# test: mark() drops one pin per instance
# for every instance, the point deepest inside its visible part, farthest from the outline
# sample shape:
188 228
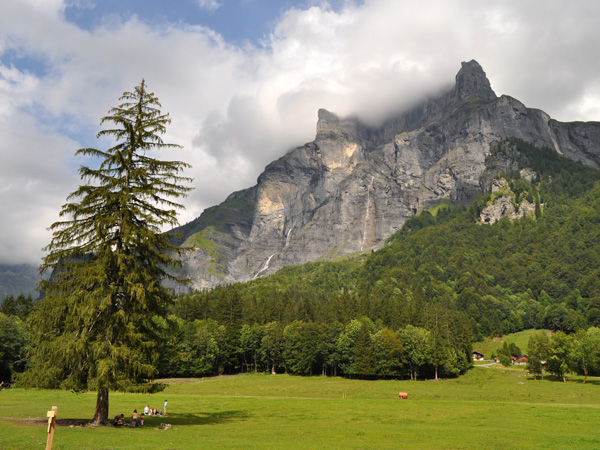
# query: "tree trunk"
436 374
101 413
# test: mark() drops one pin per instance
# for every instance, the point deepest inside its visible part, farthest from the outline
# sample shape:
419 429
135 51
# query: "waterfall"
264 267
364 236
288 236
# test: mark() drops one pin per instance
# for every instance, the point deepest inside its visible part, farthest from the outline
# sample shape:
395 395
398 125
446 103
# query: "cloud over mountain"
235 108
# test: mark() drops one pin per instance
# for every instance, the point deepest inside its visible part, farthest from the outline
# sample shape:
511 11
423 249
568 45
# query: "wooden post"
51 424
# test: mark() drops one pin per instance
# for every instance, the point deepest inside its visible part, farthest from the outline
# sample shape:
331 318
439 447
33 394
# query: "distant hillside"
18 279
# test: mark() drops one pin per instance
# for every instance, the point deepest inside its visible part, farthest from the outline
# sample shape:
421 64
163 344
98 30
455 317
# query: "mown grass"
491 345
489 408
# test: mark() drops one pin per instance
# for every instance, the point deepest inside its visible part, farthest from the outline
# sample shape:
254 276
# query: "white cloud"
36 179
15 90
210 5
235 109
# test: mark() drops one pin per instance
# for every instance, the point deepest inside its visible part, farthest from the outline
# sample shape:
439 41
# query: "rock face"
354 185
504 205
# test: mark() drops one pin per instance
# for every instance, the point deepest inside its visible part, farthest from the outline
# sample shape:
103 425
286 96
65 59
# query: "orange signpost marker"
51 424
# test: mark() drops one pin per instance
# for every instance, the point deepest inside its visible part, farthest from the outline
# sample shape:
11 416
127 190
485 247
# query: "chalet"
477 356
520 360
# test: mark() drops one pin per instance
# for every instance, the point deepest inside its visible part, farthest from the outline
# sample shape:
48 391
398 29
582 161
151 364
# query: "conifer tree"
104 312
364 355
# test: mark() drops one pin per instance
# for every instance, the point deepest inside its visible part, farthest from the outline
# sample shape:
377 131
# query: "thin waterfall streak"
287 238
265 267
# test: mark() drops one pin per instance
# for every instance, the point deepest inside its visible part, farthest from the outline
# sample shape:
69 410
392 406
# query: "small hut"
477 356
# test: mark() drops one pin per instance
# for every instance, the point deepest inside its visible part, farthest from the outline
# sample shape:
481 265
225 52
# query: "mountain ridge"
355 185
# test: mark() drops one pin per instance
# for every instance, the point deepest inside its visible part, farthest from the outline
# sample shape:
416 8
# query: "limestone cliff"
355 185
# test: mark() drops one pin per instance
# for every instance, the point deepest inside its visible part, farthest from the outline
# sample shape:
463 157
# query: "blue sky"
243 80
237 21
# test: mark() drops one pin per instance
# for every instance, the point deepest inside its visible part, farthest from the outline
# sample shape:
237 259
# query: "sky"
243 80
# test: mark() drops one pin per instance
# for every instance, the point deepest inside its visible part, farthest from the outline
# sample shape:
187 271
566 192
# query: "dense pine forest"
411 309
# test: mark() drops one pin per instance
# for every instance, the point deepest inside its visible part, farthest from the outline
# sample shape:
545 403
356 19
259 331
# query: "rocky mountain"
354 185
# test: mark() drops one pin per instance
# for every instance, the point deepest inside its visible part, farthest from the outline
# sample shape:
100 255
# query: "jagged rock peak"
326 124
471 82
330 125
325 120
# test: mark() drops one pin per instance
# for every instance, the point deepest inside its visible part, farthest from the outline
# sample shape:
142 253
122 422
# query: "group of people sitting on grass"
152 411
139 421
135 420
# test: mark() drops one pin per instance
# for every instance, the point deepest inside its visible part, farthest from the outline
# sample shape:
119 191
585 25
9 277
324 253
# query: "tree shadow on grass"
591 381
553 378
200 418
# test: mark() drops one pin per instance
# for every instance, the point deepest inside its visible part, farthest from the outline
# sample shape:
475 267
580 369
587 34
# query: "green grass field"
488 408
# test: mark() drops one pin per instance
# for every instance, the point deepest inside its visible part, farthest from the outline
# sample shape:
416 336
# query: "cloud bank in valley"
237 107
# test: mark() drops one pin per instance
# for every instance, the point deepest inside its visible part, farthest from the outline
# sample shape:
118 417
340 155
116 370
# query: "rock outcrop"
503 205
355 185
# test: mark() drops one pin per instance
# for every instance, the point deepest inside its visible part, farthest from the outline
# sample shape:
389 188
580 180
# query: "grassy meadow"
491 345
488 408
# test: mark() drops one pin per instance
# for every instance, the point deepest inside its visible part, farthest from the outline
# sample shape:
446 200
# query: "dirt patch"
72 422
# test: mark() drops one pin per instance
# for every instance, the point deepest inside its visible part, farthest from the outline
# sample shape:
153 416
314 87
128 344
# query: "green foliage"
538 353
560 351
14 343
417 342
361 349
514 350
20 306
364 357
15 338
390 355
585 352
103 313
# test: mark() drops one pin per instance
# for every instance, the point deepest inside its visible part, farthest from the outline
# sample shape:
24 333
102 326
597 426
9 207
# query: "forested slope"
445 274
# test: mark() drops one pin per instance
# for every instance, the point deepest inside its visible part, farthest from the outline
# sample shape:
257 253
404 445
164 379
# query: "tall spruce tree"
104 312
